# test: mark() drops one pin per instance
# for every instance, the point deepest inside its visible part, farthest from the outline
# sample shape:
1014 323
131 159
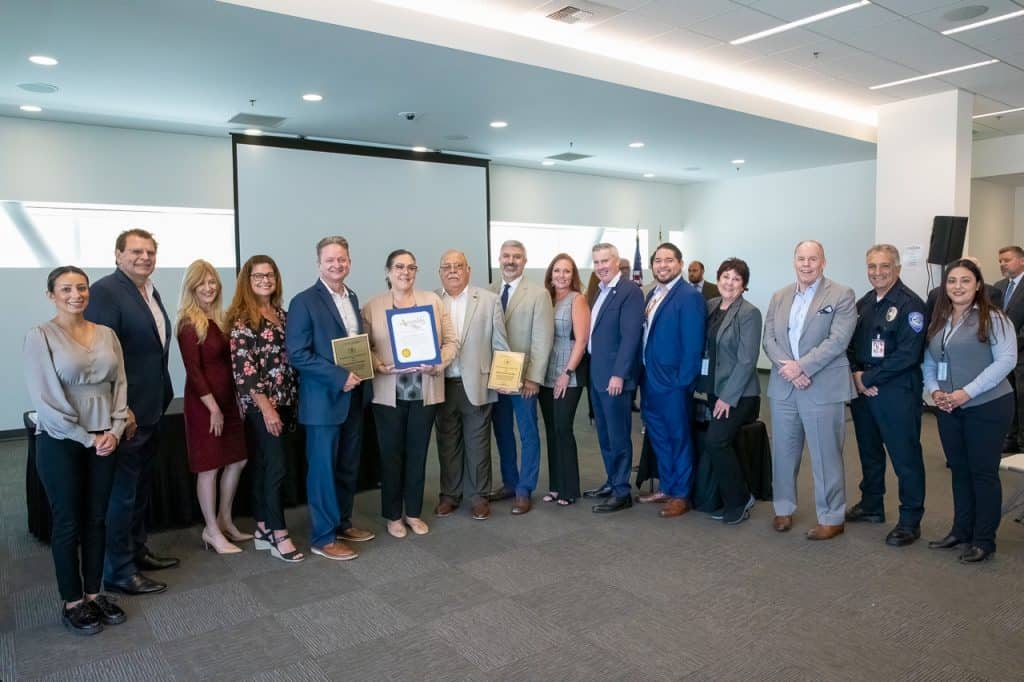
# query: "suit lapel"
812 310
474 299
730 315
664 302
782 319
609 297
144 308
517 297
328 301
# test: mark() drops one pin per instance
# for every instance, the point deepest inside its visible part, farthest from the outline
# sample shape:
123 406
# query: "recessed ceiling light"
800 22
43 60
41 88
499 124
692 169
312 97
547 162
933 75
420 149
253 131
636 145
648 175
1000 113
30 108
738 162
984 22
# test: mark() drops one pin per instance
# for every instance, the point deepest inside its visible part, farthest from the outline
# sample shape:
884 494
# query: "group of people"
97 374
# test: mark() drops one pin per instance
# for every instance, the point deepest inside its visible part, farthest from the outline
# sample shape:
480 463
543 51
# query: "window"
544 241
45 235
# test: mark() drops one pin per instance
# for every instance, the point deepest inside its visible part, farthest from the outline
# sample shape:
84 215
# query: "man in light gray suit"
806 333
530 323
464 419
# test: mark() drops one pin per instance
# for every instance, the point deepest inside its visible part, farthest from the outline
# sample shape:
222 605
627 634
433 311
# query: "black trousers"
129 503
563 457
77 482
267 462
720 449
1014 436
972 439
403 433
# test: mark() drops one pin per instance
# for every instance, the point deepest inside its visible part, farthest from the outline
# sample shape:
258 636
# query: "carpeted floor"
558 594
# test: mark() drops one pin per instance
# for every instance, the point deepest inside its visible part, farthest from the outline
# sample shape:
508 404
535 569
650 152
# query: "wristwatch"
569 372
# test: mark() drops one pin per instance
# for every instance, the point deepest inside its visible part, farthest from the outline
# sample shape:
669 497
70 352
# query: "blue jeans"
513 410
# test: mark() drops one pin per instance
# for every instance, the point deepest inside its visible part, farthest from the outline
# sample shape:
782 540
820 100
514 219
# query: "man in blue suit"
127 302
331 400
673 343
616 327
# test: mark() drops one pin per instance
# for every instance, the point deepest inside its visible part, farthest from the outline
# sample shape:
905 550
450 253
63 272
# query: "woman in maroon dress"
213 424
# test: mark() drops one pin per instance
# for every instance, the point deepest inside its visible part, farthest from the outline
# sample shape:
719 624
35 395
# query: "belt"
457 380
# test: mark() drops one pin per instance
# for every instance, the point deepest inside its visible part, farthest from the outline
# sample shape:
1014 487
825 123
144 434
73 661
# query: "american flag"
638 263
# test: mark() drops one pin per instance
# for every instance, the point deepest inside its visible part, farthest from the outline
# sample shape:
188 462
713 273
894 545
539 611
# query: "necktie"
1009 291
504 296
696 285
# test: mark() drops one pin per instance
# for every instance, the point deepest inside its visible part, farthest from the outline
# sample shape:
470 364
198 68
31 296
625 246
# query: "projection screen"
289 193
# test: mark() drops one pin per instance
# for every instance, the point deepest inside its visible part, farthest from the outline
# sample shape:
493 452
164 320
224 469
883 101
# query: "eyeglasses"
263 276
402 267
453 267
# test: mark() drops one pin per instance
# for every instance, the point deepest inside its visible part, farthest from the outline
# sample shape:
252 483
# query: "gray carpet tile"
457 543
296 671
581 603
314 580
574 661
342 622
522 569
416 654
435 595
35 606
498 633
203 609
668 646
146 663
7 662
236 652
391 559
7 619
49 649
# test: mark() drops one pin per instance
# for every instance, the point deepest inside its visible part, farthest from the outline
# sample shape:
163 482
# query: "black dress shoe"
1010 446
108 611
856 514
137 584
974 554
901 536
603 491
948 542
151 562
81 619
613 504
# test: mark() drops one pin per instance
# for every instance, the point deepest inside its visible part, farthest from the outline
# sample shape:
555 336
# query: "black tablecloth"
173 502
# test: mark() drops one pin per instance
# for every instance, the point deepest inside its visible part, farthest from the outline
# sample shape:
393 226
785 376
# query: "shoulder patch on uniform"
916 321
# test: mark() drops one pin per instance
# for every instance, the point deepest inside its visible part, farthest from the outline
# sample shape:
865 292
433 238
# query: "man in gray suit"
806 333
530 324
464 419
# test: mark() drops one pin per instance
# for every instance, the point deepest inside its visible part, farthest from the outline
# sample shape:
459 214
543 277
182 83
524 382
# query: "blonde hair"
189 310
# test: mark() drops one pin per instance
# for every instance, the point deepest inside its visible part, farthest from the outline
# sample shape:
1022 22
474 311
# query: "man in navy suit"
127 302
331 400
673 343
616 325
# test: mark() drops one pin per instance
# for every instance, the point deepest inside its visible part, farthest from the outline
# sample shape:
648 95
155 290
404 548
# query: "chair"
1011 503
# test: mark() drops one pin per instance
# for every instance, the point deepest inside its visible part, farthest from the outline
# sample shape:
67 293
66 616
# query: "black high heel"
292 557
262 539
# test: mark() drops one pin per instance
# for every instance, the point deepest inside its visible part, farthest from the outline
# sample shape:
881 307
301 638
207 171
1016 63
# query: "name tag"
704 367
878 348
942 374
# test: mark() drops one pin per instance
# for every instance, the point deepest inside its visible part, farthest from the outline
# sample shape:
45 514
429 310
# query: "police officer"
885 357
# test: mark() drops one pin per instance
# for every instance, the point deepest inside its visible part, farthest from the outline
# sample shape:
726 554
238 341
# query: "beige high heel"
220 548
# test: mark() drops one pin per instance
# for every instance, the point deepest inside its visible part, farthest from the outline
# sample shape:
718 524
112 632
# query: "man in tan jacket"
530 323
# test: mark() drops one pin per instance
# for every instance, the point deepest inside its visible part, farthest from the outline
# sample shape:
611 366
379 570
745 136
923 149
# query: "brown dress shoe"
674 506
354 534
653 497
520 505
823 532
782 523
336 551
481 510
445 507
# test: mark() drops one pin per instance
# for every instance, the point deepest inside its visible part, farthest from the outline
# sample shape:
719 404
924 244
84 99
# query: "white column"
924 170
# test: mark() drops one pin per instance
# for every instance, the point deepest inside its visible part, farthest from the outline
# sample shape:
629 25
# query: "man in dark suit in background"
615 330
127 302
331 400
1011 265
695 275
673 342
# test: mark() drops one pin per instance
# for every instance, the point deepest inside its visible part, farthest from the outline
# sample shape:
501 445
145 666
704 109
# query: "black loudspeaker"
948 234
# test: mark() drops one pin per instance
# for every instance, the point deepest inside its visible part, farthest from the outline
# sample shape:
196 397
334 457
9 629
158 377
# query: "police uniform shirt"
888 342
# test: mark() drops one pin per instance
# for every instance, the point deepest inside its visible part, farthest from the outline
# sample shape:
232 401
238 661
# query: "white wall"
991 224
998 156
1018 216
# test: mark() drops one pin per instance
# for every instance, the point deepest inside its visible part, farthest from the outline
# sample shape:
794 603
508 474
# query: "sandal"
550 497
292 557
565 501
262 539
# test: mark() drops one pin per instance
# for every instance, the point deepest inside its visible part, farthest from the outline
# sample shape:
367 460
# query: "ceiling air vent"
579 12
570 156
570 15
256 121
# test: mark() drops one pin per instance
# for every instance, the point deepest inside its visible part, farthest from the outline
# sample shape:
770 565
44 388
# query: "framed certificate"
506 371
413 336
353 353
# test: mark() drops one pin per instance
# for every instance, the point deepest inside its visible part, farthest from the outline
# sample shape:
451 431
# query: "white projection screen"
290 193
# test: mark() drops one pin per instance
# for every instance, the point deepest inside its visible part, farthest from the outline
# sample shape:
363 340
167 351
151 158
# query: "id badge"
942 374
704 366
878 348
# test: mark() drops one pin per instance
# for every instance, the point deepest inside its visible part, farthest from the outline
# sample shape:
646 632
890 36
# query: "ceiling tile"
819 51
1003 48
516 5
683 40
683 13
995 75
865 69
907 7
728 55
630 26
934 18
734 24
791 10
913 46
866 17
984 105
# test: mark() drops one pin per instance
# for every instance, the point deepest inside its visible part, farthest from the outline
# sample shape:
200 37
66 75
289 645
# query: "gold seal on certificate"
414 336
353 353
507 371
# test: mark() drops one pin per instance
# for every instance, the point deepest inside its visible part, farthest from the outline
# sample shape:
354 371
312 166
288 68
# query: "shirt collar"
812 289
667 287
513 284
461 296
612 284
343 292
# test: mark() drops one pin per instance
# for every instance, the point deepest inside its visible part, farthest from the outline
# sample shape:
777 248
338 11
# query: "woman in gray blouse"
971 348
74 370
